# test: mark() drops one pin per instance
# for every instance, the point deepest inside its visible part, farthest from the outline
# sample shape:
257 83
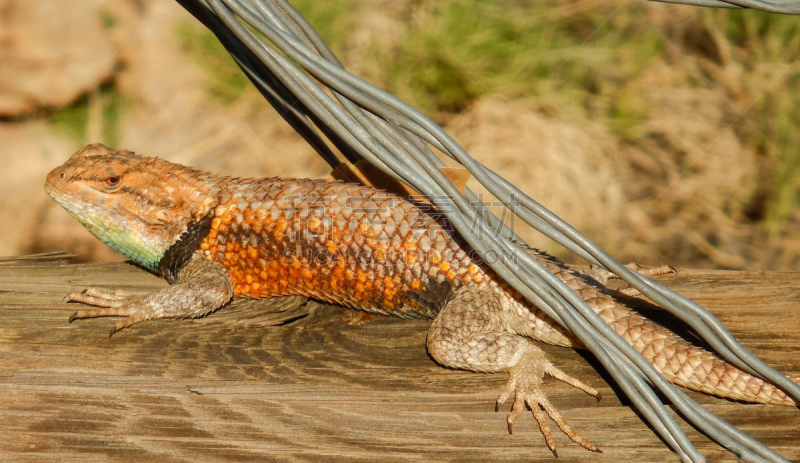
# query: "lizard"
214 238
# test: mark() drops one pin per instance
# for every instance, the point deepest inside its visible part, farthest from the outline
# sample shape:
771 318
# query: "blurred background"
666 133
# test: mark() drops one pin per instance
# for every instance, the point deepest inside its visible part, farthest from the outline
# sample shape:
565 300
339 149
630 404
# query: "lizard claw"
124 323
511 386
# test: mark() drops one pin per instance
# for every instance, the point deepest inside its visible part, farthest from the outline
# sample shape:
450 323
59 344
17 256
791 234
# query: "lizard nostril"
63 175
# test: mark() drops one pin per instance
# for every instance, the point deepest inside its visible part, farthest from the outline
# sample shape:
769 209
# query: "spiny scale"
338 242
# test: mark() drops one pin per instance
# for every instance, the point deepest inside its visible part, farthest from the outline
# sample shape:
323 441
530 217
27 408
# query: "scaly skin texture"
216 237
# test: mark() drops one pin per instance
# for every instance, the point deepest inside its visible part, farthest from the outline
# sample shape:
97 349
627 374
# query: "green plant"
226 82
95 117
453 53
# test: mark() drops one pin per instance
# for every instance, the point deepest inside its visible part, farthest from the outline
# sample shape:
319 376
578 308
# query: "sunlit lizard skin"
215 237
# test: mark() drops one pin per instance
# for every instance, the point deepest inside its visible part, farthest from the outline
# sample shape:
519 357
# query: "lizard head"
138 205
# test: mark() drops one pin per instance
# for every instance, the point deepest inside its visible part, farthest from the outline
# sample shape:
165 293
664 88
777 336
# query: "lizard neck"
178 254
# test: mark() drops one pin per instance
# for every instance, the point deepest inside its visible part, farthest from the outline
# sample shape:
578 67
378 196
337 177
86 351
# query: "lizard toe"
97 297
124 323
100 312
525 381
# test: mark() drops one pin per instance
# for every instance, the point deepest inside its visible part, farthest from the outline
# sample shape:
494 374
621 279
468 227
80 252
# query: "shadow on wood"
291 379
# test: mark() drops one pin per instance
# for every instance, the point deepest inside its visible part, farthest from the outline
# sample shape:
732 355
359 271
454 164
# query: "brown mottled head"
138 205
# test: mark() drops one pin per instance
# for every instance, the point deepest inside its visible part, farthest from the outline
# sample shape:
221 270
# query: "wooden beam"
234 386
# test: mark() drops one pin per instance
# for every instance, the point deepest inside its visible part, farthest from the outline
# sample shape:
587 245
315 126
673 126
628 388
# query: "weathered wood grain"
235 387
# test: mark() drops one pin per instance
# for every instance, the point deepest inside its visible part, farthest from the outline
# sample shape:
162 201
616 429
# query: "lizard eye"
107 175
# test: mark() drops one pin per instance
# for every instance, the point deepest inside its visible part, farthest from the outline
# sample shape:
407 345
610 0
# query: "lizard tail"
681 362
687 365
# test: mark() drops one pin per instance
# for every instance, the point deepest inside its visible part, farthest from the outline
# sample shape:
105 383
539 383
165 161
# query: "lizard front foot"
98 297
525 382
202 287
107 304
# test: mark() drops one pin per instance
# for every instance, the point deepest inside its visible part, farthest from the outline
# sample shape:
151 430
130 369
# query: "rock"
53 51
570 169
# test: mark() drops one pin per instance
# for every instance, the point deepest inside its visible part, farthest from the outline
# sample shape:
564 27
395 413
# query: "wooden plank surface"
235 387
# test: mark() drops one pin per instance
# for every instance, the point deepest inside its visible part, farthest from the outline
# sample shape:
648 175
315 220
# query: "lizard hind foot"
525 382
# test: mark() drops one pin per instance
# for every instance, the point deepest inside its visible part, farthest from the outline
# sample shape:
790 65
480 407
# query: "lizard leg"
471 333
602 275
202 287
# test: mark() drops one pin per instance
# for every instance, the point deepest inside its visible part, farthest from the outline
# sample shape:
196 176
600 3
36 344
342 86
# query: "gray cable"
777 6
424 186
723 343
370 123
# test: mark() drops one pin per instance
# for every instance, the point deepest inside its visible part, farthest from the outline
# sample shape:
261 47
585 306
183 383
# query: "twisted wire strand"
362 121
